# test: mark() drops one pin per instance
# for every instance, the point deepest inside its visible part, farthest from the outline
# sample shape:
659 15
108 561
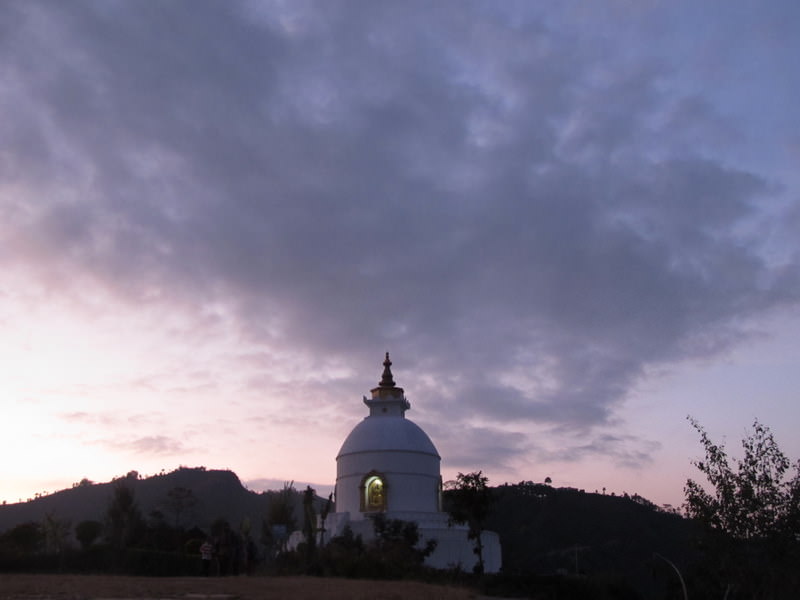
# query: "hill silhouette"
219 494
563 530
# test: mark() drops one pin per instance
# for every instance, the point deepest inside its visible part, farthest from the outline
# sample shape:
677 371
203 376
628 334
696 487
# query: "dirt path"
97 587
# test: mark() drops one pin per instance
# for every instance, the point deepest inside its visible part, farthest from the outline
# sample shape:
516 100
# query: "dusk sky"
572 224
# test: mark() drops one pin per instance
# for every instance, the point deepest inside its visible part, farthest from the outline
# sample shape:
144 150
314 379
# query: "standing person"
206 555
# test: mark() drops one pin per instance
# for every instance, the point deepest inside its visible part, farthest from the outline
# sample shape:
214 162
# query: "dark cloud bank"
522 215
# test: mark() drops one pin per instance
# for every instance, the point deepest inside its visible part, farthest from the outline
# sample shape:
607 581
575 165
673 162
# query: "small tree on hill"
469 501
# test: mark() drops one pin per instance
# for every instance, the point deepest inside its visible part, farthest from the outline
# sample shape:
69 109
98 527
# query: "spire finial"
387 400
386 379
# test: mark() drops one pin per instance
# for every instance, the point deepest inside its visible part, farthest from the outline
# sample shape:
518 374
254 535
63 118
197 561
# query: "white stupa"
389 465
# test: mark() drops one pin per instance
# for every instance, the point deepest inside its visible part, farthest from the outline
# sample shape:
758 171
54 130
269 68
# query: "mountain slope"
218 494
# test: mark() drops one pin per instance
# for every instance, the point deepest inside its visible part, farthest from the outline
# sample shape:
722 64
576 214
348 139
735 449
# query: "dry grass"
90 587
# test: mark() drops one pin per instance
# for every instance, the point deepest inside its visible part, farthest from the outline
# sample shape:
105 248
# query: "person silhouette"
206 556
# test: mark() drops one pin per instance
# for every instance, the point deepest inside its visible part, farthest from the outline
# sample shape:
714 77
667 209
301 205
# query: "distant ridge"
219 493
545 529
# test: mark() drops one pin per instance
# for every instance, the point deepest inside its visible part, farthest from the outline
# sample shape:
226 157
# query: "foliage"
227 545
752 529
56 532
395 551
344 554
281 507
397 541
124 523
323 517
469 502
86 532
180 502
280 520
752 501
309 526
25 538
159 535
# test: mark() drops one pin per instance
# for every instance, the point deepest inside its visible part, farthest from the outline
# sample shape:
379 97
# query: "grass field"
92 587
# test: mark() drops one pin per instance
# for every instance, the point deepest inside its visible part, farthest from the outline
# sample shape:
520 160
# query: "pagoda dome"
387 434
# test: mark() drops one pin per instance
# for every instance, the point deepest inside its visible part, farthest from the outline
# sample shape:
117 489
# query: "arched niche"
373 494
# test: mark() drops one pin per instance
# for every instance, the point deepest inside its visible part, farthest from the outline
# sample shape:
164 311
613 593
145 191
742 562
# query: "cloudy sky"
572 224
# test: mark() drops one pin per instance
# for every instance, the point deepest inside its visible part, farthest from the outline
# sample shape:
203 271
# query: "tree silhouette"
752 501
469 500
397 545
25 538
323 517
180 502
309 526
280 520
226 543
86 532
124 520
55 533
751 516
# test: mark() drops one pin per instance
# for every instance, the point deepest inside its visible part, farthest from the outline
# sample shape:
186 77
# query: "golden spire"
387 399
386 380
